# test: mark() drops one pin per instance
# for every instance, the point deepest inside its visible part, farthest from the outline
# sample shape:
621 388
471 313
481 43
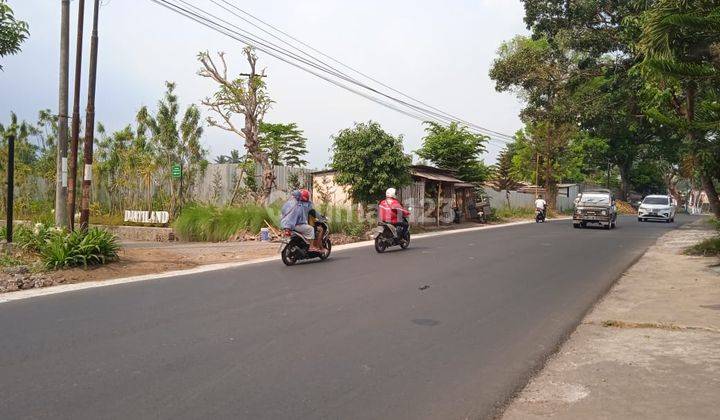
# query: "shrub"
34 239
76 248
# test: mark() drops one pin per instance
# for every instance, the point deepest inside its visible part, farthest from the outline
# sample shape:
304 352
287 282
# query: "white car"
657 207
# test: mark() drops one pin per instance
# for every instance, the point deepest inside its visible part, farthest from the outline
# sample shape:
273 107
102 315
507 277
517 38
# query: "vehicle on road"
539 215
595 207
657 207
385 235
295 247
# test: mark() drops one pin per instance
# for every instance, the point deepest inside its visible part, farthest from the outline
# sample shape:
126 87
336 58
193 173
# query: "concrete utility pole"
72 176
61 164
89 125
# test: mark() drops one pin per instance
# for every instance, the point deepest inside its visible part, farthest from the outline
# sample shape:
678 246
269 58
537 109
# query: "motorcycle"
295 247
385 235
539 215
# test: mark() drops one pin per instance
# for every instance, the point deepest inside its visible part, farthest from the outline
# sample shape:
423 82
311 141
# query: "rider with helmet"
389 210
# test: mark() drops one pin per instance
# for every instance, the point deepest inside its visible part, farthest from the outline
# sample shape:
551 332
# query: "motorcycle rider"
541 205
296 217
310 216
389 209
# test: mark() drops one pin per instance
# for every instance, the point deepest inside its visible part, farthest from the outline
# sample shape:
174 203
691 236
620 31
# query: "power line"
211 21
355 70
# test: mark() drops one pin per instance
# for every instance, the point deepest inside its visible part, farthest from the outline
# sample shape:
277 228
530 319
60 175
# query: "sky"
439 52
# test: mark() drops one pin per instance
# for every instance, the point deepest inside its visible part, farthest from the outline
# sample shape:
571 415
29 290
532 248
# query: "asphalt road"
354 337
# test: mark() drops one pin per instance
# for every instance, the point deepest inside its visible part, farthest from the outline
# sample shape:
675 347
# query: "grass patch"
708 248
505 213
213 224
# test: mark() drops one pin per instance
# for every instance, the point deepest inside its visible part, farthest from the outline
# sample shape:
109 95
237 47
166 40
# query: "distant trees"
503 173
455 147
284 144
233 157
369 160
13 32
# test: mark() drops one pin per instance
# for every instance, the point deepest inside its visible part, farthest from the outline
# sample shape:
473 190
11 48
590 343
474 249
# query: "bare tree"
245 95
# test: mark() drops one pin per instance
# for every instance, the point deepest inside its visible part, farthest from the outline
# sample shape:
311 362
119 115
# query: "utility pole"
10 189
89 125
72 176
61 163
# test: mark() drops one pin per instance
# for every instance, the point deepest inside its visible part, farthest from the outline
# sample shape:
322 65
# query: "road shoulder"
649 349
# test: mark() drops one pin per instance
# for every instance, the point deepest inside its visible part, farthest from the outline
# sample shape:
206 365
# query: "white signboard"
144 216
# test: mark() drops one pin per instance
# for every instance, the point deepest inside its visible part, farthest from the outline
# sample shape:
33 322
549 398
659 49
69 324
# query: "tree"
369 160
240 96
503 172
284 144
455 147
681 45
233 157
13 32
542 75
175 142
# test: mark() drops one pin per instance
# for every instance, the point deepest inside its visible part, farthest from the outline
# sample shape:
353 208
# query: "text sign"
144 216
176 171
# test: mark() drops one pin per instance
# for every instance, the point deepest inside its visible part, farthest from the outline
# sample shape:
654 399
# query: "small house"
429 187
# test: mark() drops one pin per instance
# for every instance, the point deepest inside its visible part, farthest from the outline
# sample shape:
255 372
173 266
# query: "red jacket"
389 209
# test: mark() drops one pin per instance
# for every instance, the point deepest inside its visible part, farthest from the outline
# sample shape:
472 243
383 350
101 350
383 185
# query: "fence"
524 200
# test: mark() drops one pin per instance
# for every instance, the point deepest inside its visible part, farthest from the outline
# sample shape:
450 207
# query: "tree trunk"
550 186
507 197
624 169
712 194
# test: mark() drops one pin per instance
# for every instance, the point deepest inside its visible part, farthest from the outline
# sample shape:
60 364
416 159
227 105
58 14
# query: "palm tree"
680 42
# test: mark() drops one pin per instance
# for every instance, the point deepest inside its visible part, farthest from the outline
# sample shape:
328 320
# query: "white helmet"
390 193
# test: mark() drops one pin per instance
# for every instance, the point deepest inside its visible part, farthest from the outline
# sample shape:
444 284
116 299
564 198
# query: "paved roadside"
649 349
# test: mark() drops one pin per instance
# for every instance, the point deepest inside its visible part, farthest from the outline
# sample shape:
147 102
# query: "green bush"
33 239
210 223
74 249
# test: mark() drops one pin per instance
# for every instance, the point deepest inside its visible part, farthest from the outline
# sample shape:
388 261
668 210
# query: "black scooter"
385 235
295 247
540 215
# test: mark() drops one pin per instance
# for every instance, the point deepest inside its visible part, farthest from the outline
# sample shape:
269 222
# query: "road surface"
447 329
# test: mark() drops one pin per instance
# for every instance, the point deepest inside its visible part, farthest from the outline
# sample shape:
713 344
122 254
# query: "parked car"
657 207
595 207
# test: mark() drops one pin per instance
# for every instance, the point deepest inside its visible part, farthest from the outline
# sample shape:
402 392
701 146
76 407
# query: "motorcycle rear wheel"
406 243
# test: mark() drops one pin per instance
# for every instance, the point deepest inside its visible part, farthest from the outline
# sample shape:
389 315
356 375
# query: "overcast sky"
439 52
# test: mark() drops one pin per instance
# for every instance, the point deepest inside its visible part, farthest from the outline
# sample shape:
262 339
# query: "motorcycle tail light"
288 232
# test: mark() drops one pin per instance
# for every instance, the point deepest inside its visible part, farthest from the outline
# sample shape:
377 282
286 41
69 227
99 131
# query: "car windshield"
590 199
656 200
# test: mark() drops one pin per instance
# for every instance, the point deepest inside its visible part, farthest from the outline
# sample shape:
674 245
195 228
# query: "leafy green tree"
369 160
13 32
542 75
175 142
455 147
284 144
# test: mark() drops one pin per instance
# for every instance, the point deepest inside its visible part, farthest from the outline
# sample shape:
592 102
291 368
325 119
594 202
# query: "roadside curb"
63 288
